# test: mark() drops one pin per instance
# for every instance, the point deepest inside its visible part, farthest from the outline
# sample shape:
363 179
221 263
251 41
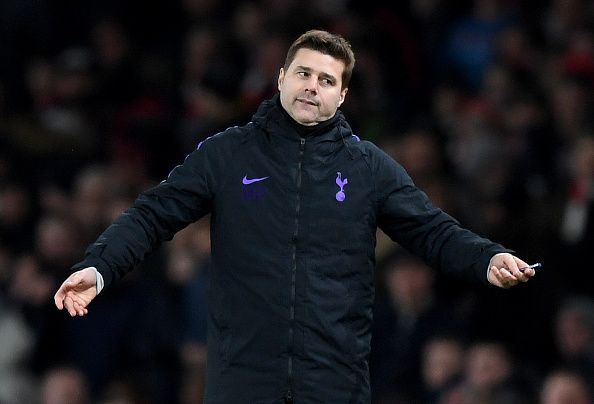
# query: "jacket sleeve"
408 217
156 215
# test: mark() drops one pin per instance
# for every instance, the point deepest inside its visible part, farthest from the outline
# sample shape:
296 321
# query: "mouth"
307 101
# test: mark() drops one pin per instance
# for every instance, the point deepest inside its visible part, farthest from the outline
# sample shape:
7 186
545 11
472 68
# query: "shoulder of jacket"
366 148
228 139
378 160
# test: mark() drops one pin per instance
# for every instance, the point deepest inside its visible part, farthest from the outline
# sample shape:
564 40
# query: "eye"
327 82
302 74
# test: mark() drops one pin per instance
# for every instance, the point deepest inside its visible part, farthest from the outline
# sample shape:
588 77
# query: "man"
295 200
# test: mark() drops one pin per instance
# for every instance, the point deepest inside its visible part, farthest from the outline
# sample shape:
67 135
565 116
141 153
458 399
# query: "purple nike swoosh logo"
247 181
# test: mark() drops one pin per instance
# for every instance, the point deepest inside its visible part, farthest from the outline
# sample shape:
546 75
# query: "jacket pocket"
339 305
225 337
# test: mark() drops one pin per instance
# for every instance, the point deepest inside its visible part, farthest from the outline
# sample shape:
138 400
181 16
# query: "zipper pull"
289 397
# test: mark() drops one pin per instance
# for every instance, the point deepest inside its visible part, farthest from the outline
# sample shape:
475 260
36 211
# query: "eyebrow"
322 74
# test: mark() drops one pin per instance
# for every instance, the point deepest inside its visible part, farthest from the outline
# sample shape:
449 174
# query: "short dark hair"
328 44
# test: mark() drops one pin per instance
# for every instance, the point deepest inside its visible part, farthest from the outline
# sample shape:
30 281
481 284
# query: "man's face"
311 88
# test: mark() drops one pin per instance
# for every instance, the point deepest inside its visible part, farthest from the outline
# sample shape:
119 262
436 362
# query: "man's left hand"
504 270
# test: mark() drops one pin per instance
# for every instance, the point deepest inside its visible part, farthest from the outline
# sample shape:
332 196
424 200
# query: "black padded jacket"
293 227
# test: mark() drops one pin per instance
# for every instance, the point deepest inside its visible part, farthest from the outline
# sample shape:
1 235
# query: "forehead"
318 62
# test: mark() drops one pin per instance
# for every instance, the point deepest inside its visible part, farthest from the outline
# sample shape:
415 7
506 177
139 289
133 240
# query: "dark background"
487 103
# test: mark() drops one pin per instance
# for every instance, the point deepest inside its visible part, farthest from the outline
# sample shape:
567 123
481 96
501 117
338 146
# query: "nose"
312 85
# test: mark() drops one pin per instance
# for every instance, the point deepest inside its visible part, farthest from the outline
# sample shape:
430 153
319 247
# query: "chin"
307 121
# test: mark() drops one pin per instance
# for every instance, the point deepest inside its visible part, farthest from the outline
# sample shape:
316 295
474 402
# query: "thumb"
59 296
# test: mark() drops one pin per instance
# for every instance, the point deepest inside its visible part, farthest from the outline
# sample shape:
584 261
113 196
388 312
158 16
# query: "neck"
305 130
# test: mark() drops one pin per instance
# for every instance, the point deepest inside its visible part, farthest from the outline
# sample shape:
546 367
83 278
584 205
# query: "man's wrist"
100 283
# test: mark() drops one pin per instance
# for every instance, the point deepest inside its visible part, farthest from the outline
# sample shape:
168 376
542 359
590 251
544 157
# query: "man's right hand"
77 291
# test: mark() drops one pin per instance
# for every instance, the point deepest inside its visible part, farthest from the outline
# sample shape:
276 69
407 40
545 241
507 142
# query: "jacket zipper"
289 394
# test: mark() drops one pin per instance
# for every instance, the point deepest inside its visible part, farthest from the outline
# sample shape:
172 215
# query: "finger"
77 300
530 272
80 310
69 304
511 265
74 304
521 263
59 298
505 278
525 275
494 277
506 275
60 295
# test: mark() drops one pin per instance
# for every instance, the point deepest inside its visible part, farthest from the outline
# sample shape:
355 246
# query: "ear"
342 97
281 78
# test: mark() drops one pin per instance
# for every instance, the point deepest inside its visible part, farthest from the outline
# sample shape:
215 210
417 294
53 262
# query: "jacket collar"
272 118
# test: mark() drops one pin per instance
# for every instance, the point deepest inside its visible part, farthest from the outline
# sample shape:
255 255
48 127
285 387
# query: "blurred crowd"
489 105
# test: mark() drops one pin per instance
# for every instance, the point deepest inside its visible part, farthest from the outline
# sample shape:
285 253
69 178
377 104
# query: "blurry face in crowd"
487 365
442 360
574 336
311 88
564 388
